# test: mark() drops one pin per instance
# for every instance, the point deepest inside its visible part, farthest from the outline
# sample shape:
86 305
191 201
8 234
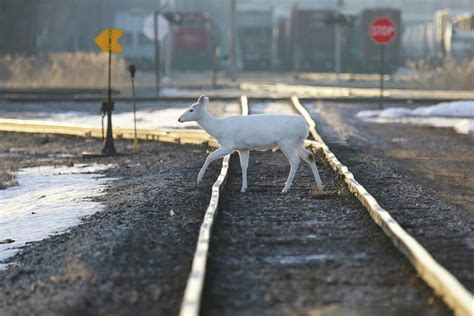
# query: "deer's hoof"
321 187
284 191
243 190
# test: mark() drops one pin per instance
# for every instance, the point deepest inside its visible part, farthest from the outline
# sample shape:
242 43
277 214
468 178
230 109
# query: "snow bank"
387 113
455 115
170 91
447 109
272 108
166 118
47 201
146 119
465 127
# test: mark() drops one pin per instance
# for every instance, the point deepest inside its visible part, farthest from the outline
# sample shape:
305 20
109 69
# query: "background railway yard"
101 208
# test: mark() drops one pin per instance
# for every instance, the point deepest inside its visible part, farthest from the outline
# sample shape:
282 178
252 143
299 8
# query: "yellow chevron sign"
107 40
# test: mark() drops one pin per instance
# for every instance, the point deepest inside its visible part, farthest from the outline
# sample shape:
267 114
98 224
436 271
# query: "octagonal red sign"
382 30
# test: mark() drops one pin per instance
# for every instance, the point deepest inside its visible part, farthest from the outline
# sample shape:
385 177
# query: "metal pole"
109 148
168 52
134 111
381 74
157 52
109 90
132 70
295 41
337 49
232 41
217 56
293 47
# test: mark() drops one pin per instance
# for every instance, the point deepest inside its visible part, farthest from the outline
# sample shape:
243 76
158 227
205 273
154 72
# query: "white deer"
254 132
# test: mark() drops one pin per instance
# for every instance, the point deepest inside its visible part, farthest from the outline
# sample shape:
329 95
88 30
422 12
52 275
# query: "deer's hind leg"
290 153
309 159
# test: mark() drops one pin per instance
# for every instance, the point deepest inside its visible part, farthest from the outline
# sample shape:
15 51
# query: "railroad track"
276 231
233 252
258 90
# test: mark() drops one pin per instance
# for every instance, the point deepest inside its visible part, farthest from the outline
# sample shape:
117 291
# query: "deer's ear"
201 99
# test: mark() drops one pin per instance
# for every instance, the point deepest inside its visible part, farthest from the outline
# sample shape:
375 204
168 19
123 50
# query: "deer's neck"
210 124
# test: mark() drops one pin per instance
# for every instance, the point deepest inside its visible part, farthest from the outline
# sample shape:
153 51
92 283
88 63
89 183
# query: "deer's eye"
191 110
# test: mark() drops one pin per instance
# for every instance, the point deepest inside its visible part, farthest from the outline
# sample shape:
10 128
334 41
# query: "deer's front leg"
244 163
218 153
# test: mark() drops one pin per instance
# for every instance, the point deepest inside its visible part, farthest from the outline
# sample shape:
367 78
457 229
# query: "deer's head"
194 112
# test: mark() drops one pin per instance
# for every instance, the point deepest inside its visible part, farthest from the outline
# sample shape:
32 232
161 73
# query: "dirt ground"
131 258
304 253
273 254
423 176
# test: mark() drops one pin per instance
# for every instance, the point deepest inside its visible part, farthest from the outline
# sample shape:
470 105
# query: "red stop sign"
382 30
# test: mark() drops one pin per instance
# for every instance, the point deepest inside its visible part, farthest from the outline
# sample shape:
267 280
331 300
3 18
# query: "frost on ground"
47 201
458 115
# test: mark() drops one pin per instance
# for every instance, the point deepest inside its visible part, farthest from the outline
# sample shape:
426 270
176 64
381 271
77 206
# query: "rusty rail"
453 293
191 303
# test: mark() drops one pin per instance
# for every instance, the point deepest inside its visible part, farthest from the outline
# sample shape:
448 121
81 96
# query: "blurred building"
413 11
41 26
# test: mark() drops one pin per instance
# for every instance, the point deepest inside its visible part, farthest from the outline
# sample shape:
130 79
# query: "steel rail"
257 91
191 303
453 293
355 94
179 136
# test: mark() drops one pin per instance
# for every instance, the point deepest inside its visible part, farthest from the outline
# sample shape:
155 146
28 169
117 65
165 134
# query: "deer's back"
264 131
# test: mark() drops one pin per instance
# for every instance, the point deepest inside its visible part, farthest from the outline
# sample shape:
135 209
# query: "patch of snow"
48 200
284 260
465 127
166 118
455 115
304 259
394 112
272 108
146 119
447 109
387 113
367 114
169 91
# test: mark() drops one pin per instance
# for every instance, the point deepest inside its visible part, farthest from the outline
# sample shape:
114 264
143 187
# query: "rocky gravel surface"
308 252
423 176
132 257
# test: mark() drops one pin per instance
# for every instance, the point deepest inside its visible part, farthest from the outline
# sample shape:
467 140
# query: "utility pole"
168 56
168 7
232 30
157 51
100 14
337 48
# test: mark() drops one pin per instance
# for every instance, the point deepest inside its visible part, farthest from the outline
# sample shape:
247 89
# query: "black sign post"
107 41
108 149
381 74
382 32
132 71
